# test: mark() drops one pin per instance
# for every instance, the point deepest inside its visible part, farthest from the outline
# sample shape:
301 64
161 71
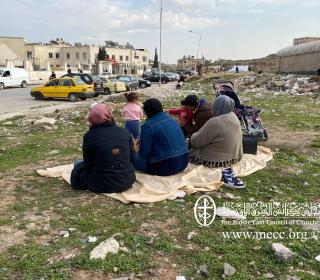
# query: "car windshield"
1 71
96 79
78 81
114 80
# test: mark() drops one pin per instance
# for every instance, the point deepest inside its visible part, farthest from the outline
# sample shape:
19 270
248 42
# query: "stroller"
248 116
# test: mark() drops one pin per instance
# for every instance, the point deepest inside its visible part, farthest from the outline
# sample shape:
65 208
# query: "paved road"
18 101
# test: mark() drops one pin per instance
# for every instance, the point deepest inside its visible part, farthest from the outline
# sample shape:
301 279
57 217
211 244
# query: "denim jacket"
161 138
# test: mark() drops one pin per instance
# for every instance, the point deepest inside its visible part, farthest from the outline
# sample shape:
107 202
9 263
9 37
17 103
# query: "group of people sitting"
203 134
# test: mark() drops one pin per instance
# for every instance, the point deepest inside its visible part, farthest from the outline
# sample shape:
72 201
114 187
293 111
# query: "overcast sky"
230 28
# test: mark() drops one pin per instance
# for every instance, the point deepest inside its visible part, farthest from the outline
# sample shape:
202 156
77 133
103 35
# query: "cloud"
94 17
194 4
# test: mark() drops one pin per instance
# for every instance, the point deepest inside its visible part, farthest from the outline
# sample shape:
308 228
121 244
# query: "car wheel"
129 88
73 97
1 86
38 96
96 94
143 85
23 84
164 81
83 98
107 91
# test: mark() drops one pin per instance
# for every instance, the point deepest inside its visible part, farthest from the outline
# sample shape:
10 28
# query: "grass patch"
154 234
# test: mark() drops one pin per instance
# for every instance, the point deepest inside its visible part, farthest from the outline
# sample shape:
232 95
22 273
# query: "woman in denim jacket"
162 148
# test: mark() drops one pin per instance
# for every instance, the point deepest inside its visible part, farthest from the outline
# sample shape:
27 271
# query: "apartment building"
58 55
126 57
11 48
189 62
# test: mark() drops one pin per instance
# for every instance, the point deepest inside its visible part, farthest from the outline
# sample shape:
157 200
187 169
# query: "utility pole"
199 42
160 43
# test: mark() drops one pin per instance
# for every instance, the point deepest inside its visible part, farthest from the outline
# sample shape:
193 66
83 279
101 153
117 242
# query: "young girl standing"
132 113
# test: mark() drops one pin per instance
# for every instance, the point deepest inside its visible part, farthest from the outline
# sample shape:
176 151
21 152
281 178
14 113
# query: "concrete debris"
108 246
45 120
64 233
266 83
268 275
181 278
92 239
317 258
203 270
227 213
229 270
54 152
282 252
190 235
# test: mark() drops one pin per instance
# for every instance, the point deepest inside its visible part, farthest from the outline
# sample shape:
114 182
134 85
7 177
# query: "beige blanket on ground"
194 178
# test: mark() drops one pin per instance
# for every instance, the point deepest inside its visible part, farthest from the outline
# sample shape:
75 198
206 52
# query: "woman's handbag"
250 144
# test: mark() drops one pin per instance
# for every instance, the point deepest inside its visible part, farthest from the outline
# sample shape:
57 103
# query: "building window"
50 55
84 55
51 65
77 55
120 57
68 65
127 58
136 57
58 65
57 55
68 55
114 57
144 58
29 54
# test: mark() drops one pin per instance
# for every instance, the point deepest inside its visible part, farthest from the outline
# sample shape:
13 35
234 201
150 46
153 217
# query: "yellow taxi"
67 87
113 85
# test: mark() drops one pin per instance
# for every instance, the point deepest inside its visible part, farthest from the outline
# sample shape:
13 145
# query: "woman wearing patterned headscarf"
219 142
107 155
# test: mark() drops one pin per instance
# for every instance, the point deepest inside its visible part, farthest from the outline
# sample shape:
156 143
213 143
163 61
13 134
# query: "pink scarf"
100 113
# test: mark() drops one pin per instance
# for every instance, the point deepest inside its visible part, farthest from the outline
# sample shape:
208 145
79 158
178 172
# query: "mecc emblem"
205 210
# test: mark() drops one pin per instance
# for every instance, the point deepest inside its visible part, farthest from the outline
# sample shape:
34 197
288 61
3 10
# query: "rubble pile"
278 84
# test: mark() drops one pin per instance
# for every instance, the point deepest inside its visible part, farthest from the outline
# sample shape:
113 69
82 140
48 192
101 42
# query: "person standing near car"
181 79
52 76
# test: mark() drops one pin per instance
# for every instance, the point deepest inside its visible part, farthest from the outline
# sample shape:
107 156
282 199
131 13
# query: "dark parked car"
156 77
89 79
144 83
131 82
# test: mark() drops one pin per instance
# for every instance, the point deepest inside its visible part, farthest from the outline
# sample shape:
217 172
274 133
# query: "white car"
104 75
13 77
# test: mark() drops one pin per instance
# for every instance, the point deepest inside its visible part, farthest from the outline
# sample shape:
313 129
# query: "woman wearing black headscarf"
162 150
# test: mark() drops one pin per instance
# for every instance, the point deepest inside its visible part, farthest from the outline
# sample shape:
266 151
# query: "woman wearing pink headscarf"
107 155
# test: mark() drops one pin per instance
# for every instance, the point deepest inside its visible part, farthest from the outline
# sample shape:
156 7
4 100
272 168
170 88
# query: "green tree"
155 61
102 54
